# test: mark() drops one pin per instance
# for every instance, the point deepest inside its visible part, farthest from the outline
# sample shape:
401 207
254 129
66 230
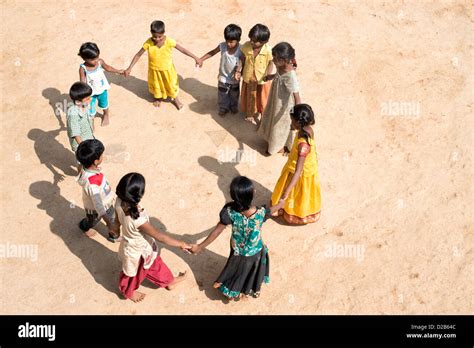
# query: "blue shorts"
101 99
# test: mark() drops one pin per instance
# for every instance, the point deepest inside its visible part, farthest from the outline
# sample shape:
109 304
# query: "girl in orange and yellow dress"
298 185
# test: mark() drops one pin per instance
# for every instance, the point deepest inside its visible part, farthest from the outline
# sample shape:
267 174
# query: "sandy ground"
391 84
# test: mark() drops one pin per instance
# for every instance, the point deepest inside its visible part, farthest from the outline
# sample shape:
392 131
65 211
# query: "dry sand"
396 184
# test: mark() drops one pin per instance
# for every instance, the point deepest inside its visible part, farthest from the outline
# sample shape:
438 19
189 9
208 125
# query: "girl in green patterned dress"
248 265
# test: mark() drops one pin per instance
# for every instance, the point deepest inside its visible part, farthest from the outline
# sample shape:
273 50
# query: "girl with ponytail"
284 94
248 265
298 186
138 249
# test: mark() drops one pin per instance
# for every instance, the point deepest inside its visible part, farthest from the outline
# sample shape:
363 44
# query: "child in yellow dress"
298 185
256 61
162 76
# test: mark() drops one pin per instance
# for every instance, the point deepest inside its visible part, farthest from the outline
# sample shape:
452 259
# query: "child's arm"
152 231
115 227
295 178
269 77
78 139
296 95
209 55
75 129
268 73
275 208
109 68
82 75
196 249
135 59
188 53
240 68
269 70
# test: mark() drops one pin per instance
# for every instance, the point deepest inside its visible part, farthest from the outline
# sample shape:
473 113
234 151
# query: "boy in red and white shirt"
97 195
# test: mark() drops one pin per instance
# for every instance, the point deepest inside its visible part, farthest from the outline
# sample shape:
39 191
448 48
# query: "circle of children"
284 122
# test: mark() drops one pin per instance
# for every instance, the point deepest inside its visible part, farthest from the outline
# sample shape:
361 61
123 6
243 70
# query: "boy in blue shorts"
92 73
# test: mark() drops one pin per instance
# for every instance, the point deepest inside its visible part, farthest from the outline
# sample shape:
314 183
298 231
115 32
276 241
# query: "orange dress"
255 91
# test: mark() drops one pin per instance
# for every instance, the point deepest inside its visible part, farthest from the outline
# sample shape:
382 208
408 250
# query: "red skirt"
158 273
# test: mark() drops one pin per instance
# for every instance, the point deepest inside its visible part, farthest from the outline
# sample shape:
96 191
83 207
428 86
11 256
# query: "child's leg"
103 103
234 99
176 102
182 276
223 98
262 96
89 222
160 275
128 285
92 106
106 118
170 83
251 109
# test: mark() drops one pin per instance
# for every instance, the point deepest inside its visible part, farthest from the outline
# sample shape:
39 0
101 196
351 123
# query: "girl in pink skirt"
138 248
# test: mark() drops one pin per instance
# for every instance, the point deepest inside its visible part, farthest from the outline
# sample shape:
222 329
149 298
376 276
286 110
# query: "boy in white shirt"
97 195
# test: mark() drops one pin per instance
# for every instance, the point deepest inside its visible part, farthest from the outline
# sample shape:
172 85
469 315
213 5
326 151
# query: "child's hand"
121 72
185 247
127 72
268 77
114 234
198 62
195 249
280 204
237 75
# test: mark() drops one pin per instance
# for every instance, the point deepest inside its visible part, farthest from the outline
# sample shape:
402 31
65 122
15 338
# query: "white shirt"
134 244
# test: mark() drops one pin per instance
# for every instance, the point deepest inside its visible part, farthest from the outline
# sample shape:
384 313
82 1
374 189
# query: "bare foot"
177 103
137 296
182 276
216 285
90 233
157 103
105 119
257 118
243 297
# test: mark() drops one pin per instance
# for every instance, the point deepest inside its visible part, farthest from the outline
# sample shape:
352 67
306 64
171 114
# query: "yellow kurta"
303 204
162 76
255 91
255 67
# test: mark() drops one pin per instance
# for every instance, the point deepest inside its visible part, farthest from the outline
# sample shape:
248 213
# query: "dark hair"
303 114
89 50
232 32
260 32
131 189
157 27
79 91
241 191
285 51
89 151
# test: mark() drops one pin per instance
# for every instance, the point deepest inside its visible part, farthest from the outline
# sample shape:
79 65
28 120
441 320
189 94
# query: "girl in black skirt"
248 264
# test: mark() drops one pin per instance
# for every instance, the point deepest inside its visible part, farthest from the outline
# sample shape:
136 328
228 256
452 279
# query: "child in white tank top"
92 73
